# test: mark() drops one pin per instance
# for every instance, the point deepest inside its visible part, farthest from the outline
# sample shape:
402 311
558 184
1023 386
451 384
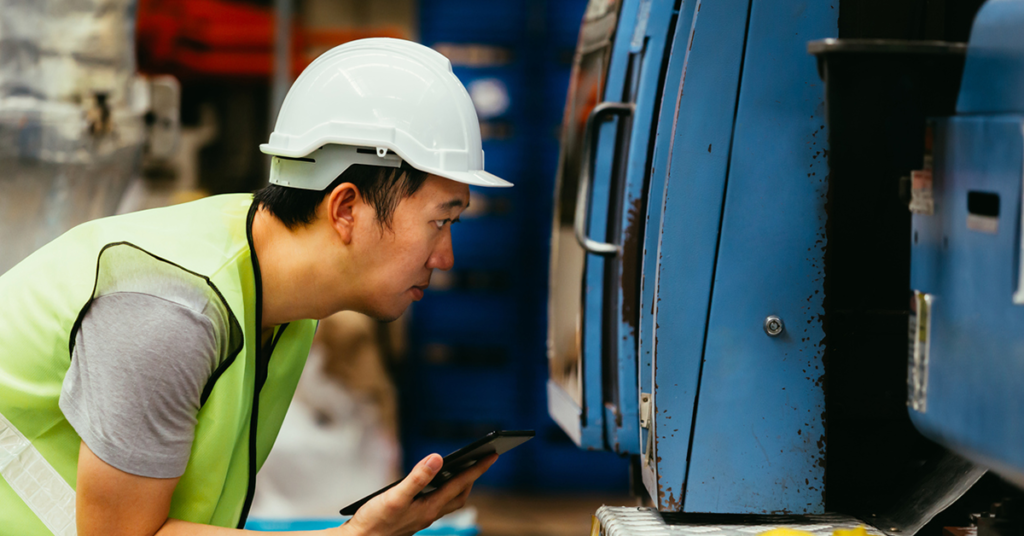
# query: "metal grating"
631 521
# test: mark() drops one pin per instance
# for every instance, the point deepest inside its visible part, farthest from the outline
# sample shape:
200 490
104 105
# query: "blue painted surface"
976 358
994 70
977 351
758 442
655 207
649 45
593 425
689 233
755 392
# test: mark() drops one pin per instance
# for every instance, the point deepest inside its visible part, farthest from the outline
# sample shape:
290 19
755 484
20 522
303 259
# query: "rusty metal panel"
664 130
689 222
654 24
758 443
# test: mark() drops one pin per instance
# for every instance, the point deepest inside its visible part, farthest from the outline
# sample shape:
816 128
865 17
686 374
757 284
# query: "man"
147 360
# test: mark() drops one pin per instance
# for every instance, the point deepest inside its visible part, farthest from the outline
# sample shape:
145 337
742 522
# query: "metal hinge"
645 423
645 410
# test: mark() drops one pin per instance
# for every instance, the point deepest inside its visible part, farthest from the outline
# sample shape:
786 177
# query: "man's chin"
385 316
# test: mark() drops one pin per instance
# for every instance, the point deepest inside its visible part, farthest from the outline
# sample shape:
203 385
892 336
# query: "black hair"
381 187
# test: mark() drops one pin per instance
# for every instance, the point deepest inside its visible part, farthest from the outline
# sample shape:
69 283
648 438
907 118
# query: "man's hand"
397 512
112 502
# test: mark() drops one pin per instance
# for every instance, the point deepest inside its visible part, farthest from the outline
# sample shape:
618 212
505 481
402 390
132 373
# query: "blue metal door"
574 385
736 401
620 278
607 229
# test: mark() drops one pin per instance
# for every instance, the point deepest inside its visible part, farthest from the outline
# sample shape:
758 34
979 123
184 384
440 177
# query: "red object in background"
224 39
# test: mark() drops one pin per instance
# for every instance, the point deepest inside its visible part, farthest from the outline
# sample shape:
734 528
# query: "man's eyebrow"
454 203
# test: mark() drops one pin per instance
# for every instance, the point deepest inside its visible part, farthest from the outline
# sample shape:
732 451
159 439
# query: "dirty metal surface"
974 359
600 224
587 407
654 209
759 434
700 132
643 87
631 521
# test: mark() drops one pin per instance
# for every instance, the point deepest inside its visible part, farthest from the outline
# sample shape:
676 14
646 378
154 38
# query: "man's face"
399 261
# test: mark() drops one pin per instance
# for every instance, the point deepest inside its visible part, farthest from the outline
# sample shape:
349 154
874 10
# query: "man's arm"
111 502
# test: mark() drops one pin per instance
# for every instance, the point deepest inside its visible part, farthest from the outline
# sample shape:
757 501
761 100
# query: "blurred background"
112 106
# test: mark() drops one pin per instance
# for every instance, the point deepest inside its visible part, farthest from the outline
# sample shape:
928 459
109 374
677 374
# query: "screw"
773 326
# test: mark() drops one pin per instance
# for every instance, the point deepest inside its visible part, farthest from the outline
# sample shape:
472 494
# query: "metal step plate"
633 521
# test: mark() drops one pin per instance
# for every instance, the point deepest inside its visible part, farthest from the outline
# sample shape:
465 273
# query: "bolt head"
773 326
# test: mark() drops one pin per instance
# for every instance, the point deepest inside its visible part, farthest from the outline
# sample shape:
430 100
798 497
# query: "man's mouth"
417 291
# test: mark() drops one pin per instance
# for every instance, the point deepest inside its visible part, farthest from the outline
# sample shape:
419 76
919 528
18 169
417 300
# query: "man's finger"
470 475
418 479
458 502
457 485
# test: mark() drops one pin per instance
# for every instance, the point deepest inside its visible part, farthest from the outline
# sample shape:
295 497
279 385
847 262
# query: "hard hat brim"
473 178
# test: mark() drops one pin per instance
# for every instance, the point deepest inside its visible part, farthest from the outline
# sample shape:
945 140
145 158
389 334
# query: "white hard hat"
379 102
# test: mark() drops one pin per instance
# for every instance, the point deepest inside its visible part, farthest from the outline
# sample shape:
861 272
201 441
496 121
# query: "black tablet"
497 442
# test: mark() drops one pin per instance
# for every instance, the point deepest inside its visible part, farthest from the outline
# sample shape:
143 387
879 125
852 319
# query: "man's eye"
440 223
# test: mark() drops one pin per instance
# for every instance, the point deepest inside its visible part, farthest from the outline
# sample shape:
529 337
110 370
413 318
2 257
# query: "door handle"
582 197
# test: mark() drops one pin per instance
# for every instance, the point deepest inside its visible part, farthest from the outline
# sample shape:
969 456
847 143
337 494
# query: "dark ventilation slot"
983 204
370 150
310 160
983 212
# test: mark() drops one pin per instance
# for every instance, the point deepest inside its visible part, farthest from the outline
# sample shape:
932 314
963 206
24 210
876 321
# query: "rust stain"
669 503
629 281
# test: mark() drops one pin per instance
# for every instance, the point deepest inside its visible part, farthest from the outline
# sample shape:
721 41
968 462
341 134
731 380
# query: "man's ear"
341 209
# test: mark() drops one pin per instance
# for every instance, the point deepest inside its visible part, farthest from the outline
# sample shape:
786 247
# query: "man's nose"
443 257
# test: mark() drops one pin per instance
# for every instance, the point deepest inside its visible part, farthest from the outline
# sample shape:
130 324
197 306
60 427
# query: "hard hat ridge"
383 94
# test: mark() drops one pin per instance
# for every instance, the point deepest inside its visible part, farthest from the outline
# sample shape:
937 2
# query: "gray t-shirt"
137 374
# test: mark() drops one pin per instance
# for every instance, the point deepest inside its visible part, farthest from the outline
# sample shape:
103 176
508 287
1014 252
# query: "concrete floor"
500 514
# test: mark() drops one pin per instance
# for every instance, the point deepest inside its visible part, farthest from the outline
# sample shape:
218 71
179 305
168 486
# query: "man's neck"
287 270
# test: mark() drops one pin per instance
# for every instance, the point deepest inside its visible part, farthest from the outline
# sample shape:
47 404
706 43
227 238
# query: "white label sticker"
983 224
922 200
919 335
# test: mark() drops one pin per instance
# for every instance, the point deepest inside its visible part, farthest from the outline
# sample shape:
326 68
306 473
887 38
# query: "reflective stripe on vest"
35 481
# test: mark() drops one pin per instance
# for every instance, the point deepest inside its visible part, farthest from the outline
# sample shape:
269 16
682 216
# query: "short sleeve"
138 369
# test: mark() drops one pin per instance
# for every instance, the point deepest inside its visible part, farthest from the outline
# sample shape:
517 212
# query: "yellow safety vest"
199 252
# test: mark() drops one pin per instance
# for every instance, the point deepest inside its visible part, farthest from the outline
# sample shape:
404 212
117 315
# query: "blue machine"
695 215
703 226
966 349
